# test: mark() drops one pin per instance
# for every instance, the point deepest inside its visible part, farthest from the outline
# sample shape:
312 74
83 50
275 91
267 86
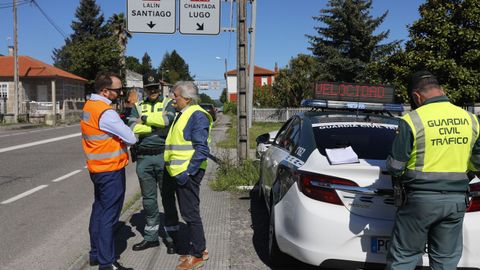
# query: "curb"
83 260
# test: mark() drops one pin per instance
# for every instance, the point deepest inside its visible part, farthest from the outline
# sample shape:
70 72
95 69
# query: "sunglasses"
117 90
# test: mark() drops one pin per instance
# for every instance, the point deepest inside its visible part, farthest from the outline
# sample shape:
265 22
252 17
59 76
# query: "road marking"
26 193
66 176
36 130
20 146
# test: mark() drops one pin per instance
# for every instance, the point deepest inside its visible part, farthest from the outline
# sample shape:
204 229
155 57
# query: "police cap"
421 79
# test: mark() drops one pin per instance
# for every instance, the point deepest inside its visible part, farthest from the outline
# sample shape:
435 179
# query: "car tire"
276 256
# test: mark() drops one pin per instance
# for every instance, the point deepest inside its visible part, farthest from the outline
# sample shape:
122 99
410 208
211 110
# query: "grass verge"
230 175
256 129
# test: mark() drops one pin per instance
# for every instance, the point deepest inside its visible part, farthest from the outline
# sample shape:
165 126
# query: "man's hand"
182 178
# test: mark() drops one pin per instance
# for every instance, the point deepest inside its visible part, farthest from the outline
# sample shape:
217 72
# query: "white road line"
20 146
26 193
65 176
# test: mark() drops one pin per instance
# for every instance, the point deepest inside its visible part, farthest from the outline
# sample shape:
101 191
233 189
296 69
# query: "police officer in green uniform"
435 146
150 121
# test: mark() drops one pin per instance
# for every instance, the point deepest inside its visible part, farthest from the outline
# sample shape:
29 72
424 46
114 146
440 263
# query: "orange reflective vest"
104 151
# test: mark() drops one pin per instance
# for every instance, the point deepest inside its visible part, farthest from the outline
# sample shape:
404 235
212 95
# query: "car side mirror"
264 138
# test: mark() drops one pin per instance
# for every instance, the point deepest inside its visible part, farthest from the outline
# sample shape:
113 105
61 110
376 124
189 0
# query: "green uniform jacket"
153 130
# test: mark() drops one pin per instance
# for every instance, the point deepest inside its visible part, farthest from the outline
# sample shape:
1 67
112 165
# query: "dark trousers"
109 195
152 176
428 217
189 203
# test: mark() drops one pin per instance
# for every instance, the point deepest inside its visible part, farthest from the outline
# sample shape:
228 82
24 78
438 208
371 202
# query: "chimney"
276 68
10 50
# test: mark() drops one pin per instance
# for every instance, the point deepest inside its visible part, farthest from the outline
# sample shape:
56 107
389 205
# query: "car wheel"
276 256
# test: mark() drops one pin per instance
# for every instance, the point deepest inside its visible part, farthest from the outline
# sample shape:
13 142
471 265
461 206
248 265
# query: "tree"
132 63
295 82
263 97
444 41
147 70
89 21
223 96
117 27
173 68
204 98
346 45
89 49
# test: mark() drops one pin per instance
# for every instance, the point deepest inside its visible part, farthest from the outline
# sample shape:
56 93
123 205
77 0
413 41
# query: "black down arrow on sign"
200 26
151 24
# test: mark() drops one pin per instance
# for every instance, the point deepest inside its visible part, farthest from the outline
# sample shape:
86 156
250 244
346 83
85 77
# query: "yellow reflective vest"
154 117
443 138
178 151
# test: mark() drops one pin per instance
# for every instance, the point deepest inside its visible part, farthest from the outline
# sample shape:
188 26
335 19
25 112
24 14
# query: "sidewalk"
19 126
215 211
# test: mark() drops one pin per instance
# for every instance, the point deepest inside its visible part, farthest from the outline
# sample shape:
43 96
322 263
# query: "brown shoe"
190 263
205 256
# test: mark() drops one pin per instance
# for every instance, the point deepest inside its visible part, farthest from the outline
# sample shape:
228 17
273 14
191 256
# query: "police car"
328 191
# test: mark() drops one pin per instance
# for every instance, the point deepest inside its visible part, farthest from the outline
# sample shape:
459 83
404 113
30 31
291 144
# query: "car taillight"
318 187
475 200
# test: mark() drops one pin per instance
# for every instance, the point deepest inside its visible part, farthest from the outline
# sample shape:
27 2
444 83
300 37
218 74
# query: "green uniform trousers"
150 172
429 218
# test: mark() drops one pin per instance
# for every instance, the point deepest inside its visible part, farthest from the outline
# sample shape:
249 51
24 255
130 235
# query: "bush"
230 107
230 175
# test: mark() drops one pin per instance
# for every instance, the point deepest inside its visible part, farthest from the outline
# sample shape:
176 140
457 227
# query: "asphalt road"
45 198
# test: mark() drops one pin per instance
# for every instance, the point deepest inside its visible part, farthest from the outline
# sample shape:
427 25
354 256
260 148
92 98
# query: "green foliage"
257 129
346 44
89 21
204 98
444 41
132 63
117 27
147 70
229 175
90 56
295 82
90 48
174 68
230 107
263 97
223 96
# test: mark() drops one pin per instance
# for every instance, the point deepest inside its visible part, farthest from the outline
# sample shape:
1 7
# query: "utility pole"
251 70
242 143
15 64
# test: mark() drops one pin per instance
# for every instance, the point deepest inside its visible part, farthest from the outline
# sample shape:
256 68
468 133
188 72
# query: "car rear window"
368 140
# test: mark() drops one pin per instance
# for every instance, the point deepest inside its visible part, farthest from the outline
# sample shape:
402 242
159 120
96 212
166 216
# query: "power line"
50 20
10 4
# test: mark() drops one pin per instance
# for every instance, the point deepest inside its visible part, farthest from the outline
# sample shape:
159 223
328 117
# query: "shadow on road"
182 242
260 225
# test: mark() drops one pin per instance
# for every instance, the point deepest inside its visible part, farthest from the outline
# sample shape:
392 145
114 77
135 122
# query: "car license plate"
380 245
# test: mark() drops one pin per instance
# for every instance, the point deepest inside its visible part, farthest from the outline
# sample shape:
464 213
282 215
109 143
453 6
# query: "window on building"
264 80
3 90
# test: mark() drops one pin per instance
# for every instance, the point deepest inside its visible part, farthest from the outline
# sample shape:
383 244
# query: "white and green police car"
326 186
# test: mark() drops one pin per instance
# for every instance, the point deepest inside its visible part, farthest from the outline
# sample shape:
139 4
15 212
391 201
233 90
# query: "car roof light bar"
349 105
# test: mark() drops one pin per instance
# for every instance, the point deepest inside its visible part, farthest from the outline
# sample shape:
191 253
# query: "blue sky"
281 29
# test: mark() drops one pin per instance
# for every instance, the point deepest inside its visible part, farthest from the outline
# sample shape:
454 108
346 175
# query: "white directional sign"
200 17
151 16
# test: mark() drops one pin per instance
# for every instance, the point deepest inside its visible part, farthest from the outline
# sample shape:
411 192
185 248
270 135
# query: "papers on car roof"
344 155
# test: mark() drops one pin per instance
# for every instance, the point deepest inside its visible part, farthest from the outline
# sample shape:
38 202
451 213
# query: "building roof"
256 71
32 68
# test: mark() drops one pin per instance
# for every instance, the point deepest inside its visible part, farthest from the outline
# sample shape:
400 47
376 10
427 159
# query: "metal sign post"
151 16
